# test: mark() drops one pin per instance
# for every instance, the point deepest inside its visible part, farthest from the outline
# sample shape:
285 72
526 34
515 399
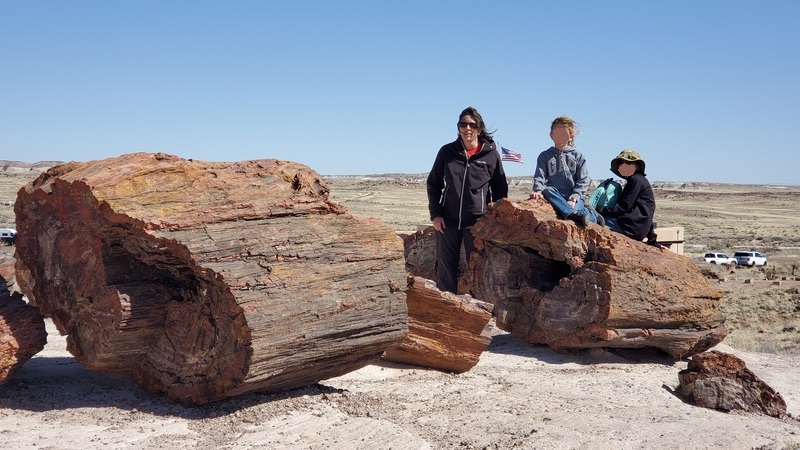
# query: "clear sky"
704 90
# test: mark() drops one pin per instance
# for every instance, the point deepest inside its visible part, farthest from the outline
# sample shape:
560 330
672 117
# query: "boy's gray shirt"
564 170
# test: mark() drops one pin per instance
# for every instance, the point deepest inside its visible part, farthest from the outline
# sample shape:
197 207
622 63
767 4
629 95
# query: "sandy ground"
518 396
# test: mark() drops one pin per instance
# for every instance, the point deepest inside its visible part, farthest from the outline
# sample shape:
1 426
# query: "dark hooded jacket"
459 189
635 208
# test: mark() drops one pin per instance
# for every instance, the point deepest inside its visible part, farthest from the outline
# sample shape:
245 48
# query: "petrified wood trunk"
208 280
445 331
568 287
22 330
722 381
420 253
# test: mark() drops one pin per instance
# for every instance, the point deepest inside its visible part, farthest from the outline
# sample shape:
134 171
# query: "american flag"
509 155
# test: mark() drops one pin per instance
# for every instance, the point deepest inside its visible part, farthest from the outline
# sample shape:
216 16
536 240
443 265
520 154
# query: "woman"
466 176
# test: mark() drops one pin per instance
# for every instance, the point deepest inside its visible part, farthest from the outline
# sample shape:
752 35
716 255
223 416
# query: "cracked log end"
22 334
208 280
22 329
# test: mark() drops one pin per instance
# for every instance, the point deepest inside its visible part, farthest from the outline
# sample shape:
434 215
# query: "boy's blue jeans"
562 207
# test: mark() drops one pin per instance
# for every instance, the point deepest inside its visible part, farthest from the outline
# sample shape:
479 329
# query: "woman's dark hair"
485 135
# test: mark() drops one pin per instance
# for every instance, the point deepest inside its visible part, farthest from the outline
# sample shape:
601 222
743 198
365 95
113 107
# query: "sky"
704 90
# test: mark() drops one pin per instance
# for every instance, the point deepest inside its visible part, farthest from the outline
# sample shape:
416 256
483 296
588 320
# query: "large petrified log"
568 287
208 280
445 331
22 330
722 381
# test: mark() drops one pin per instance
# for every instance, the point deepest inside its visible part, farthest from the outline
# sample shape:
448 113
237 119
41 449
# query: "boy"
561 175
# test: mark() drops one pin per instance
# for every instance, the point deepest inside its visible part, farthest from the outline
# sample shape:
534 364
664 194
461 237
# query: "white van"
8 236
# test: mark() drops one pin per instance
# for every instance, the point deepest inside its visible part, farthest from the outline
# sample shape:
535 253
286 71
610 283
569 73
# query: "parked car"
8 236
750 259
719 258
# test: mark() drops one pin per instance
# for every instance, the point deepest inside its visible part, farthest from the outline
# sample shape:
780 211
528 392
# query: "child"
633 213
561 175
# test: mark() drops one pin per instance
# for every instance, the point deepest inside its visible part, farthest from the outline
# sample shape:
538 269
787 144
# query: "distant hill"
19 166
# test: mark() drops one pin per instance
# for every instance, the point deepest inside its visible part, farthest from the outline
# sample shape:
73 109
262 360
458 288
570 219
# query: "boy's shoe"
582 219
600 220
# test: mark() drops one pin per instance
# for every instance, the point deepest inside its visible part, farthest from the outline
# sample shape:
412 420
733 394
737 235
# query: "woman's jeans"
562 207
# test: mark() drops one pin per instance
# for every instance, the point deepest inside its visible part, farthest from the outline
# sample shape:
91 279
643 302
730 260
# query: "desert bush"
761 342
763 321
795 267
772 272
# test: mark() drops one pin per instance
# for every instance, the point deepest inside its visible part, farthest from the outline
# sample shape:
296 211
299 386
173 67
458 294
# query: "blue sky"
704 90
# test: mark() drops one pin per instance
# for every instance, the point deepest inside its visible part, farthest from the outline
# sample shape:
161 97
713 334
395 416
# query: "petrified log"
568 287
208 280
446 332
420 253
722 381
7 276
22 330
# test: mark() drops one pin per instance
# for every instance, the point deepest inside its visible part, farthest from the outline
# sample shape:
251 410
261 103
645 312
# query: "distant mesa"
19 166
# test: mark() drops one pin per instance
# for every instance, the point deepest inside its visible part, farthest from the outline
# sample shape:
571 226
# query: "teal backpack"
606 194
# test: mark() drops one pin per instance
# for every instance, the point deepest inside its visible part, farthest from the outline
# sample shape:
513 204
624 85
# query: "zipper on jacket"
464 183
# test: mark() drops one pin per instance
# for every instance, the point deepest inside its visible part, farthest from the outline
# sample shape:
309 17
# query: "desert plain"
518 396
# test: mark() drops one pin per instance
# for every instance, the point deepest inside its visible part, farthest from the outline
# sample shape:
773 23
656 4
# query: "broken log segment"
446 332
208 280
555 283
22 328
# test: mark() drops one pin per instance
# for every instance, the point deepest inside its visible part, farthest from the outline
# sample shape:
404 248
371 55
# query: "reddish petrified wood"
722 381
22 330
568 287
420 253
208 280
446 332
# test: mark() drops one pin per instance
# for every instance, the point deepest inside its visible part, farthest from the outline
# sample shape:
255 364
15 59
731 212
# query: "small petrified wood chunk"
722 381
446 332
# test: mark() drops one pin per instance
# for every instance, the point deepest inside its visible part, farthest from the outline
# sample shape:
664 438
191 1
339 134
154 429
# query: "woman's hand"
438 224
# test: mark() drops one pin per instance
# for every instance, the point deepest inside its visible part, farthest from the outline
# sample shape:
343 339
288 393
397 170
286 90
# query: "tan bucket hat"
630 156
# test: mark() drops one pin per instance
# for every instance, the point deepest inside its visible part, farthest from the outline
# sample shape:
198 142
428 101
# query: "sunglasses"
472 125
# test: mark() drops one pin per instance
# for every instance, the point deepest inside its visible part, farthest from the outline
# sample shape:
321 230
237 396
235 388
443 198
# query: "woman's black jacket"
459 189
